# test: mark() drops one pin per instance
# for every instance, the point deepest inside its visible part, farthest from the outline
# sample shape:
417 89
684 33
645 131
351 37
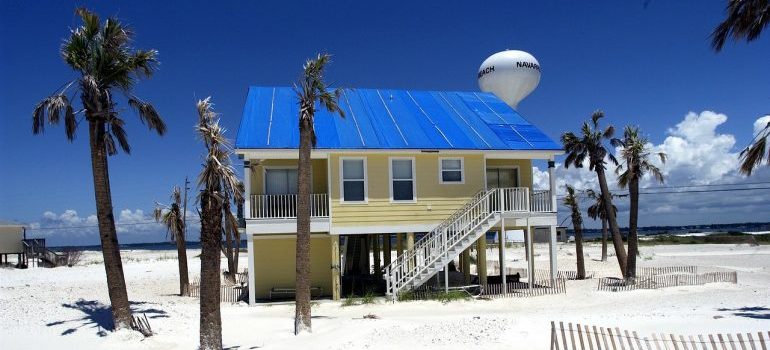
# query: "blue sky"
646 63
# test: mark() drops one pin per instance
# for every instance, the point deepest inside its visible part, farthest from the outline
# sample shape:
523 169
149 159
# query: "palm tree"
745 20
596 210
218 184
310 88
636 156
100 54
231 249
571 201
751 156
591 145
171 216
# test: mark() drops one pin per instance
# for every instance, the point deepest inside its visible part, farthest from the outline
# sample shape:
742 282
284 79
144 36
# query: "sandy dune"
66 307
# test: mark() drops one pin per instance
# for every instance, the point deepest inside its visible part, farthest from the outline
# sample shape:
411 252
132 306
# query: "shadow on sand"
756 312
99 316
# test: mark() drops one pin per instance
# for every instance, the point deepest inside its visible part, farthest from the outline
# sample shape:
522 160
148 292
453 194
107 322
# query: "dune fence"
490 291
229 292
672 276
582 337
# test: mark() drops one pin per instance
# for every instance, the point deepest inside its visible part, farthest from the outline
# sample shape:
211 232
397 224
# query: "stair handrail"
452 229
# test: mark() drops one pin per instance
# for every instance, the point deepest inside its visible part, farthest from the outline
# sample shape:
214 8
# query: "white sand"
63 307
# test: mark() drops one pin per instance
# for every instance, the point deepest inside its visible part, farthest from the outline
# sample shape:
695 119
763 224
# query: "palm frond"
147 114
746 19
116 129
751 157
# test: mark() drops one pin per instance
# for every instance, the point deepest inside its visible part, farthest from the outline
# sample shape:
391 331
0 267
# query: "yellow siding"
318 175
524 165
275 263
435 201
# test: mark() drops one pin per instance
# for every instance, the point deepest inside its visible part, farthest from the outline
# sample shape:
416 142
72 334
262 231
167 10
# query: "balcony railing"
284 206
519 199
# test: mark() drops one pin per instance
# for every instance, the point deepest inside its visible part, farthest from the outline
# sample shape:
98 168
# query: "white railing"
284 206
437 243
541 201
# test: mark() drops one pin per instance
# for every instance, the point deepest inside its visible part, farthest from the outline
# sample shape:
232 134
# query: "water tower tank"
511 75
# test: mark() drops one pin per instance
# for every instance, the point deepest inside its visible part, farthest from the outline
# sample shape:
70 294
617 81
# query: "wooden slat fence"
228 292
582 337
663 277
515 289
522 289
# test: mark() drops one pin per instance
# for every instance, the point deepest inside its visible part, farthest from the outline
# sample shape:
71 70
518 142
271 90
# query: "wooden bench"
292 291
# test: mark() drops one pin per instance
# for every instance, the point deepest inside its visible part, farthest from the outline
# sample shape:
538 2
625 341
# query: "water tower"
511 75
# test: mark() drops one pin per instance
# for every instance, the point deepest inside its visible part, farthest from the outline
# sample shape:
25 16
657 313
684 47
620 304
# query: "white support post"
252 273
552 183
502 255
247 189
552 251
531 255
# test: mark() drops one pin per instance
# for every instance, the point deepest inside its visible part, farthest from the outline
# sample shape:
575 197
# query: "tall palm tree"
310 89
171 216
591 145
745 20
106 64
596 210
751 156
571 201
636 163
218 184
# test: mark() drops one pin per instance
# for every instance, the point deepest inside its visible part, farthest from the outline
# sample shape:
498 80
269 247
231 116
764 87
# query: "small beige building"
11 240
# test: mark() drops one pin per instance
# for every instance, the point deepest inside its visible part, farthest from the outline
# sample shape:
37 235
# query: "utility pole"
184 212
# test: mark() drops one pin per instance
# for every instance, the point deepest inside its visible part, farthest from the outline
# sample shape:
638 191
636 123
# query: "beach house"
405 183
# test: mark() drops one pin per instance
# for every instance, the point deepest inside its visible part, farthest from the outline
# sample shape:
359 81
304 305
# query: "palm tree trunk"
228 250
116 282
302 308
184 281
617 239
604 239
211 243
633 245
577 225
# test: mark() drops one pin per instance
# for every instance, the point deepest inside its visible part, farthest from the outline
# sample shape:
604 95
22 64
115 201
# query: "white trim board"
262 153
369 229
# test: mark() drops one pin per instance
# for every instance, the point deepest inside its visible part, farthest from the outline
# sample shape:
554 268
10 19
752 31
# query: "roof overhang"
324 153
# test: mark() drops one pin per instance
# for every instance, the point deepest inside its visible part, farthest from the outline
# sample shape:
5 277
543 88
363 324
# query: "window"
402 182
280 181
353 179
451 171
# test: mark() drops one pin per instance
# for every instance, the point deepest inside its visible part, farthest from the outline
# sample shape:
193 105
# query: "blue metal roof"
391 119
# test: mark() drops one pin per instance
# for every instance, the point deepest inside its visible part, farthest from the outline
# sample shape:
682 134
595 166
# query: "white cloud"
761 123
697 154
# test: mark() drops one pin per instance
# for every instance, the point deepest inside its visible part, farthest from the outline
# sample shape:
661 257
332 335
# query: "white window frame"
342 181
441 171
414 179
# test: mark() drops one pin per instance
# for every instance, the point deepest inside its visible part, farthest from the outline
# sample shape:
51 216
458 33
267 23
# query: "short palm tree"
590 144
636 163
310 89
746 19
571 201
596 211
231 249
106 65
218 184
173 218
751 156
